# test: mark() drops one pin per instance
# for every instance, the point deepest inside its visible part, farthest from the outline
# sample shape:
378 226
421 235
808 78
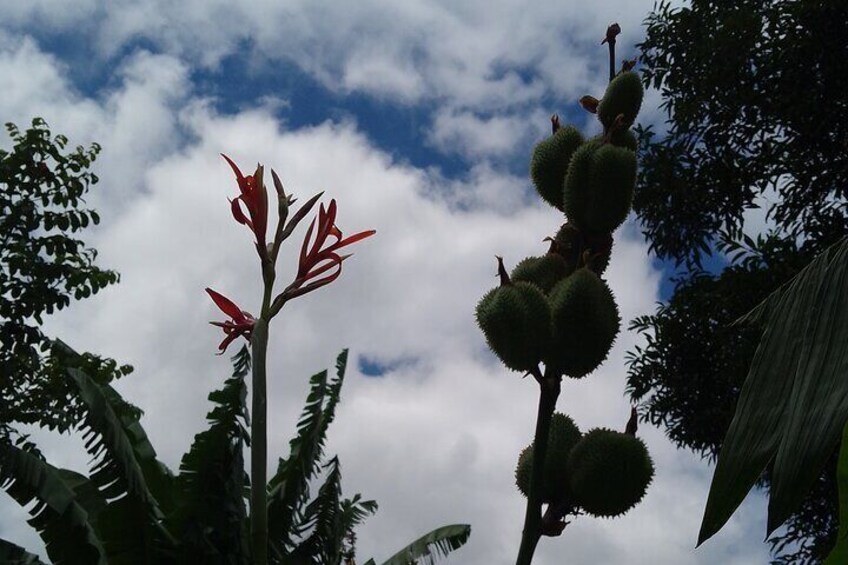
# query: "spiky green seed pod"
623 96
609 472
515 319
624 138
563 435
612 178
576 189
550 163
544 271
585 321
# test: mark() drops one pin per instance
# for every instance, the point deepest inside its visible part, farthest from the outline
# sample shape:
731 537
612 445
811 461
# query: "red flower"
255 198
241 323
315 261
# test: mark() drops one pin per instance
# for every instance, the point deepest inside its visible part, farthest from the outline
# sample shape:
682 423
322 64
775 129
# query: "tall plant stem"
549 388
259 445
611 59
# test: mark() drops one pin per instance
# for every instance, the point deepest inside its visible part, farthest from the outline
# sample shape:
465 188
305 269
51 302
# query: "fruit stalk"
549 388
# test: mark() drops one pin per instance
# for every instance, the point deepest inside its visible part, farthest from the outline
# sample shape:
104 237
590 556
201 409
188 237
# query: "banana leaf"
794 402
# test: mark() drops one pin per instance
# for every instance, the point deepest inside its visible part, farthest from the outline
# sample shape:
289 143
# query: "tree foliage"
42 266
751 91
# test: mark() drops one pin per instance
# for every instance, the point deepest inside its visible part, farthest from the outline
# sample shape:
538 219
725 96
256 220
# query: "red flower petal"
351 239
242 181
303 265
238 214
226 305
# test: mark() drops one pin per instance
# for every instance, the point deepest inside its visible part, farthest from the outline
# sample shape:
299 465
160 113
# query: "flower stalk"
250 208
259 444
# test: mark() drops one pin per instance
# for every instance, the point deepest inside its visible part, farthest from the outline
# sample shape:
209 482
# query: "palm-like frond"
157 476
131 525
289 487
117 471
11 554
430 547
211 519
328 519
62 523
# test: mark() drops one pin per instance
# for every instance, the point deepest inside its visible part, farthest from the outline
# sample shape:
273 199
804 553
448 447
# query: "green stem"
259 446
548 393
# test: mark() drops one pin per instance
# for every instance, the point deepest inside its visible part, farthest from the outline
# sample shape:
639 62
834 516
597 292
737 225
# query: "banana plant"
131 509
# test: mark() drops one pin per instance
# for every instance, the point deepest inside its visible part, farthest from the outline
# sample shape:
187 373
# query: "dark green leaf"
432 546
211 518
62 522
11 554
839 555
288 488
795 396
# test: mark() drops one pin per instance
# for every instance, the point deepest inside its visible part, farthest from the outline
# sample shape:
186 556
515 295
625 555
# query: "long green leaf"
430 547
86 493
11 554
839 554
328 520
787 378
157 476
818 406
131 526
323 516
117 472
60 520
289 487
122 525
211 516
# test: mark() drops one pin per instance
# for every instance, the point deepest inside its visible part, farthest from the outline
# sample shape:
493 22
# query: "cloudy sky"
418 117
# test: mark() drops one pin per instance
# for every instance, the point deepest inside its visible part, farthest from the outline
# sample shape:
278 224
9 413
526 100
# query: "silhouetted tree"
754 94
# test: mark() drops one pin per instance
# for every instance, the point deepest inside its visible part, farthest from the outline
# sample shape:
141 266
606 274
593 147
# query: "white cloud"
435 439
474 136
472 53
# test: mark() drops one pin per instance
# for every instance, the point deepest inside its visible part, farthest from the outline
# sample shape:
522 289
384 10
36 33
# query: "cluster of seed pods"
557 310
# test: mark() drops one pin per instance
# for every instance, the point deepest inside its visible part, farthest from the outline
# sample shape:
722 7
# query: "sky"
418 117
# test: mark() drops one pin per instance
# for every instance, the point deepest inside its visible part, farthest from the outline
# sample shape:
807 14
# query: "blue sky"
419 118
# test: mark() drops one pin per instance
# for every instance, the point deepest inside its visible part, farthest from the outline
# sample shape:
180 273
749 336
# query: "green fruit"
544 271
515 319
609 472
550 163
624 138
563 435
612 178
576 187
585 321
623 96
